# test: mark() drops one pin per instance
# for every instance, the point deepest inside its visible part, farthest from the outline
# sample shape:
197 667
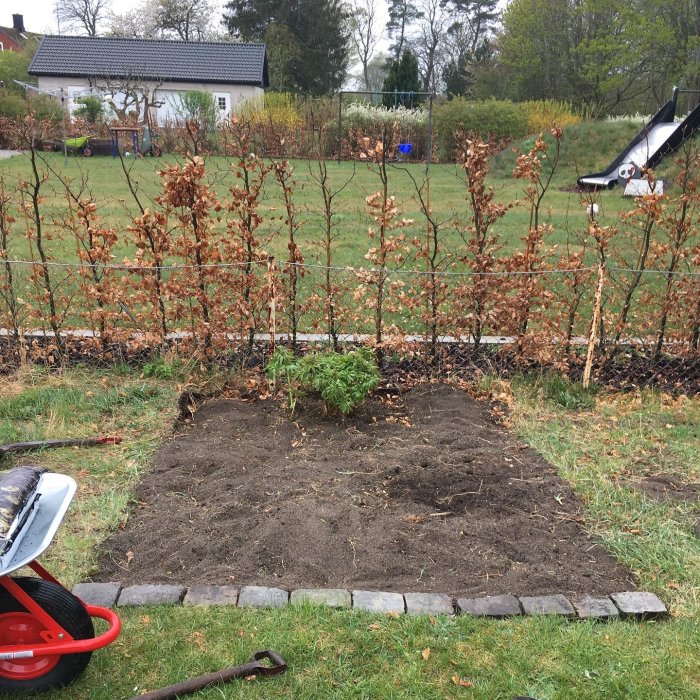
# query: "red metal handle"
73 646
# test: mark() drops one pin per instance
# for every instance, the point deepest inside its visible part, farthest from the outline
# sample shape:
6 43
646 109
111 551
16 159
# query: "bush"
342 381
199 106
366 116
282 109
12 105
490 120
90 109
543 114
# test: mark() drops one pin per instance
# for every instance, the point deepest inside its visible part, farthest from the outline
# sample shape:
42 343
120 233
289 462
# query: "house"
15 37
136 77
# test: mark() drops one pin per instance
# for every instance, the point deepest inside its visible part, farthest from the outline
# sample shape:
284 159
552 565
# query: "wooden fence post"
595 323
272 325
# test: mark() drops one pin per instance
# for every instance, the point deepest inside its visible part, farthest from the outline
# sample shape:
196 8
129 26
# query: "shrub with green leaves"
341 380
90 108
491 120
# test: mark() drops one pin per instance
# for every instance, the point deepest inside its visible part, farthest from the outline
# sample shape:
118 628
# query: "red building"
13 38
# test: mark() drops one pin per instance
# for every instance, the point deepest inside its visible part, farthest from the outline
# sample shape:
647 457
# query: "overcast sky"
40 15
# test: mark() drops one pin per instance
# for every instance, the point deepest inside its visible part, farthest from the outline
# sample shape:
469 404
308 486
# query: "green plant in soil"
341 380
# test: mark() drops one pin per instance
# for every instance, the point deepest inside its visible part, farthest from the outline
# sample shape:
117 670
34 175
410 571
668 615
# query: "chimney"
18 23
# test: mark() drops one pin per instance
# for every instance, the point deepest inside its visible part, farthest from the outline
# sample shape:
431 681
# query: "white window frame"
226 110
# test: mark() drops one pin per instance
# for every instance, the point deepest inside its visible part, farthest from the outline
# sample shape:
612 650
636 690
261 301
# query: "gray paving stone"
332 597
262 597
640 605
428 604
490 606
588 608
103 594
378 601
207 596
149 594
547 605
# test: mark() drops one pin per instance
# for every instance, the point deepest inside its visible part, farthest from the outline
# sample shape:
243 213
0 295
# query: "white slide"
640 154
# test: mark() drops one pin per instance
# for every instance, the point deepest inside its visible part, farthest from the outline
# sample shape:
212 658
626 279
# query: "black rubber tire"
70 613
87 152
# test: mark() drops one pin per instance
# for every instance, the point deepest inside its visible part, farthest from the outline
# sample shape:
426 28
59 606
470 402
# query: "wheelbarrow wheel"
41 673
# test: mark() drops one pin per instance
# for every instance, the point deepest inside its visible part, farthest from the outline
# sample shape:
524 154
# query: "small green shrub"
341 380
491 120
160 368
90 109
198 105
557 389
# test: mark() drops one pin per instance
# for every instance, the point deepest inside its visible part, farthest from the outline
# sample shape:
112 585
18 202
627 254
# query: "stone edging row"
628 604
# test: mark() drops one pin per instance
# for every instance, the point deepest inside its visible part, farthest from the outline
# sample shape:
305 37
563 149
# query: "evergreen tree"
403 81
306 40
401 14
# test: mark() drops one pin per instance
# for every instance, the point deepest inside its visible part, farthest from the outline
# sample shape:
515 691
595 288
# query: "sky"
40 15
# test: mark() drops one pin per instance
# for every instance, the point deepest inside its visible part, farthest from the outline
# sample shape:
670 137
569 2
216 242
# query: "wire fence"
628 328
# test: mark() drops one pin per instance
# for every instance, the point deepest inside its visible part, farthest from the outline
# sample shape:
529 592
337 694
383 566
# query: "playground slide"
660 137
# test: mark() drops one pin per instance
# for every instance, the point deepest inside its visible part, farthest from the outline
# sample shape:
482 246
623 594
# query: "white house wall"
167 93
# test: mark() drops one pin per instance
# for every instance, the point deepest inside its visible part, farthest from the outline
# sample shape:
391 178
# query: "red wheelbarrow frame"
57 640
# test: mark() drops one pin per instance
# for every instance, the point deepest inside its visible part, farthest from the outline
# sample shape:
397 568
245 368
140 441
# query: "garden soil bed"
423 492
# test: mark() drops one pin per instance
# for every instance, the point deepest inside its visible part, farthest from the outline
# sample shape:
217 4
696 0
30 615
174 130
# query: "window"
222 103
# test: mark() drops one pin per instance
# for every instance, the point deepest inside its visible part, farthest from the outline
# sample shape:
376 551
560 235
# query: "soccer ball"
126 154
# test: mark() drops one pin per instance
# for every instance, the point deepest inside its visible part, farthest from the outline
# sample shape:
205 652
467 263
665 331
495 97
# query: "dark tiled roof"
107 57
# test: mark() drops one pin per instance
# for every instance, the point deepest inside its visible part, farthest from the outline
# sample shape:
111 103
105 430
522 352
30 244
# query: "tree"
315 50
83 15
601 53
402 13
403 80
430 43
477 19
364 34
377 70
189 20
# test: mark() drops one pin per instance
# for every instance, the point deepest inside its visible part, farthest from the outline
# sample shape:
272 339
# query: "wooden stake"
273 304
595 322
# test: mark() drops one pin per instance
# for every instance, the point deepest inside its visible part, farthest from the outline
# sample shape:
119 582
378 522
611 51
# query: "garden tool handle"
252 668
279 665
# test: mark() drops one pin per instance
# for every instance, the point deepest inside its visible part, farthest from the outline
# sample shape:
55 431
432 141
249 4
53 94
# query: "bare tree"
128 98
82 14
364 34
429 43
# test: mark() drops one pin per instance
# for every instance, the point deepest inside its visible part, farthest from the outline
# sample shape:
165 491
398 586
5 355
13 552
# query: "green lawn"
448 199
602 442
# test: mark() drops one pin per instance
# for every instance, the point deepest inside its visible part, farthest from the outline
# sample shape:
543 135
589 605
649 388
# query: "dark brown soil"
667 487
425 494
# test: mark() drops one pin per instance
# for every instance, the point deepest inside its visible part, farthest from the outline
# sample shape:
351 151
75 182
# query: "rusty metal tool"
44 444
252 668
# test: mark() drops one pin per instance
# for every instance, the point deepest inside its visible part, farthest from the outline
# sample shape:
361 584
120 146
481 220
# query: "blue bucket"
405 148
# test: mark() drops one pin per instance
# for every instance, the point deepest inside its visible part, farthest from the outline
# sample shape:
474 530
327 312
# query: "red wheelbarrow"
46 633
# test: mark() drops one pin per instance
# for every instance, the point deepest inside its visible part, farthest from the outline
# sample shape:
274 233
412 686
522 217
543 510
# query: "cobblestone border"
637 605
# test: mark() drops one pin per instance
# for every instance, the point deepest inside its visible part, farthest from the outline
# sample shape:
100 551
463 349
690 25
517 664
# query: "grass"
335 654
38 405
587 147
601 442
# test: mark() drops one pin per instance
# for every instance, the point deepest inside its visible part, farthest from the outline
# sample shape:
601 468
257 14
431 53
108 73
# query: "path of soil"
425 494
